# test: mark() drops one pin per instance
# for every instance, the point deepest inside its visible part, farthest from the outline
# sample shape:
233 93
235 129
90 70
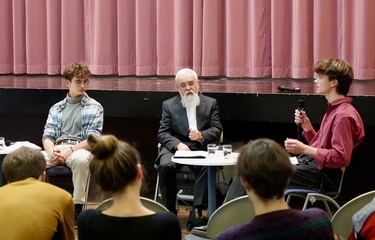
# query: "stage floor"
166 84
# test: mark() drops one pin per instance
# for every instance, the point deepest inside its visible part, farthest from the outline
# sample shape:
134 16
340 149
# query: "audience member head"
24 163
188 85
264 167
336 69
115 164
78 69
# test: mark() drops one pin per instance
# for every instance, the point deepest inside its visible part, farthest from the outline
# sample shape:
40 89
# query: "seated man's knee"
80 157
167 168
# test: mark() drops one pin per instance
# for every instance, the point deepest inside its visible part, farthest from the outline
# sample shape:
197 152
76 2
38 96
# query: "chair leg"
327 208
305 204
220 175
177 205
87 188
288 199
313 197
290 195
156 187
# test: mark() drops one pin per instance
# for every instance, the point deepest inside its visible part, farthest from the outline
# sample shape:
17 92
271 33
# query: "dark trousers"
235 190
168 186
307 175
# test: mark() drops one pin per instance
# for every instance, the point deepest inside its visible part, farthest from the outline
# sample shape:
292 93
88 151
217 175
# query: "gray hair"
183 72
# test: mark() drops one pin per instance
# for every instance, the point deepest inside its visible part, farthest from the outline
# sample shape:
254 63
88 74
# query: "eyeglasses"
79 82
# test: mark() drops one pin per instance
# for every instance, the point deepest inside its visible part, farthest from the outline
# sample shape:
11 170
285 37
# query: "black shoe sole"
202 221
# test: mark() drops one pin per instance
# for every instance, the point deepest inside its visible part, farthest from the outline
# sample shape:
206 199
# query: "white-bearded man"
189 122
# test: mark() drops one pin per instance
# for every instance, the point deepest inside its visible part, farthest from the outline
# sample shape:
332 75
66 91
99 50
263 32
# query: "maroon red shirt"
340 131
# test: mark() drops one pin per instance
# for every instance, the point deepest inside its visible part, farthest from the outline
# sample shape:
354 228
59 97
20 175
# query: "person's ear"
67 83
42 177
334 83
139 171
245 184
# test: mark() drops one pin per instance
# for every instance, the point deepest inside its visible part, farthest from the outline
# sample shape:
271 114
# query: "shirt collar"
340 101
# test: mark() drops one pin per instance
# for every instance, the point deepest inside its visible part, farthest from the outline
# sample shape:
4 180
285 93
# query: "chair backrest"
335 194
341 181
235 212
342 219
148 203
221 138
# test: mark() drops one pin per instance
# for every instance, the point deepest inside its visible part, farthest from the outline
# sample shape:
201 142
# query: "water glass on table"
227 150
211 148
2 143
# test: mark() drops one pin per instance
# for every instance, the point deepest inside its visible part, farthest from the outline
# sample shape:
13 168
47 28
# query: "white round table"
211 161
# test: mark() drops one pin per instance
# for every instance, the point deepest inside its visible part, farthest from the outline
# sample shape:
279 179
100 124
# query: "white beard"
190 100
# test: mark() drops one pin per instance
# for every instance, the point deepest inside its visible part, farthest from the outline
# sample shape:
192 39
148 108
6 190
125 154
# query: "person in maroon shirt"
341 130
330 148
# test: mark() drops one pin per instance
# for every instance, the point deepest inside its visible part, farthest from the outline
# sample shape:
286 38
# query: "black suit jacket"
174 125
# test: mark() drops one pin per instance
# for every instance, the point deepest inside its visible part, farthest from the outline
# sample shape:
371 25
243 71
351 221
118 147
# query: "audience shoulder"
316 213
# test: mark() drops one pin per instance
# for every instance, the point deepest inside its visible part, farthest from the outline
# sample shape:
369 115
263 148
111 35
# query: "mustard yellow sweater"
30 209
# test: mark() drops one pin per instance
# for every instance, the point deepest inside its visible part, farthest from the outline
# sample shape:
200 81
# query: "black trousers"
307 175
168 186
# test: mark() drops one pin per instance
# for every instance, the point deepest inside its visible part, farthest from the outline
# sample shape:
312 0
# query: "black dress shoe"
77 211
196 219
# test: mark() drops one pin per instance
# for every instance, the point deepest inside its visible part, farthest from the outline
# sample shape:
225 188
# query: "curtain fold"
242 38
72 44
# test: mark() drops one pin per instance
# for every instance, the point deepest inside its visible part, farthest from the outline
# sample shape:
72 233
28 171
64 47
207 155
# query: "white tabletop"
17 145
211 160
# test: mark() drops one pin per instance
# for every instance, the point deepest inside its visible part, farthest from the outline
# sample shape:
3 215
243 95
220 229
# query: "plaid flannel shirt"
91 115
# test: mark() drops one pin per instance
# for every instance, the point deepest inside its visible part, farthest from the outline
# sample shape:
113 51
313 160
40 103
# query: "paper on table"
17 145
293 160
190 154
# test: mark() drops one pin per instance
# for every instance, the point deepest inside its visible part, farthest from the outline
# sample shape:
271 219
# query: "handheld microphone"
300 106
8 143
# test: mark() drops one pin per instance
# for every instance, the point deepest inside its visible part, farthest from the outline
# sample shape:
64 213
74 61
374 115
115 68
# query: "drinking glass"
211 148
2 143
227 150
